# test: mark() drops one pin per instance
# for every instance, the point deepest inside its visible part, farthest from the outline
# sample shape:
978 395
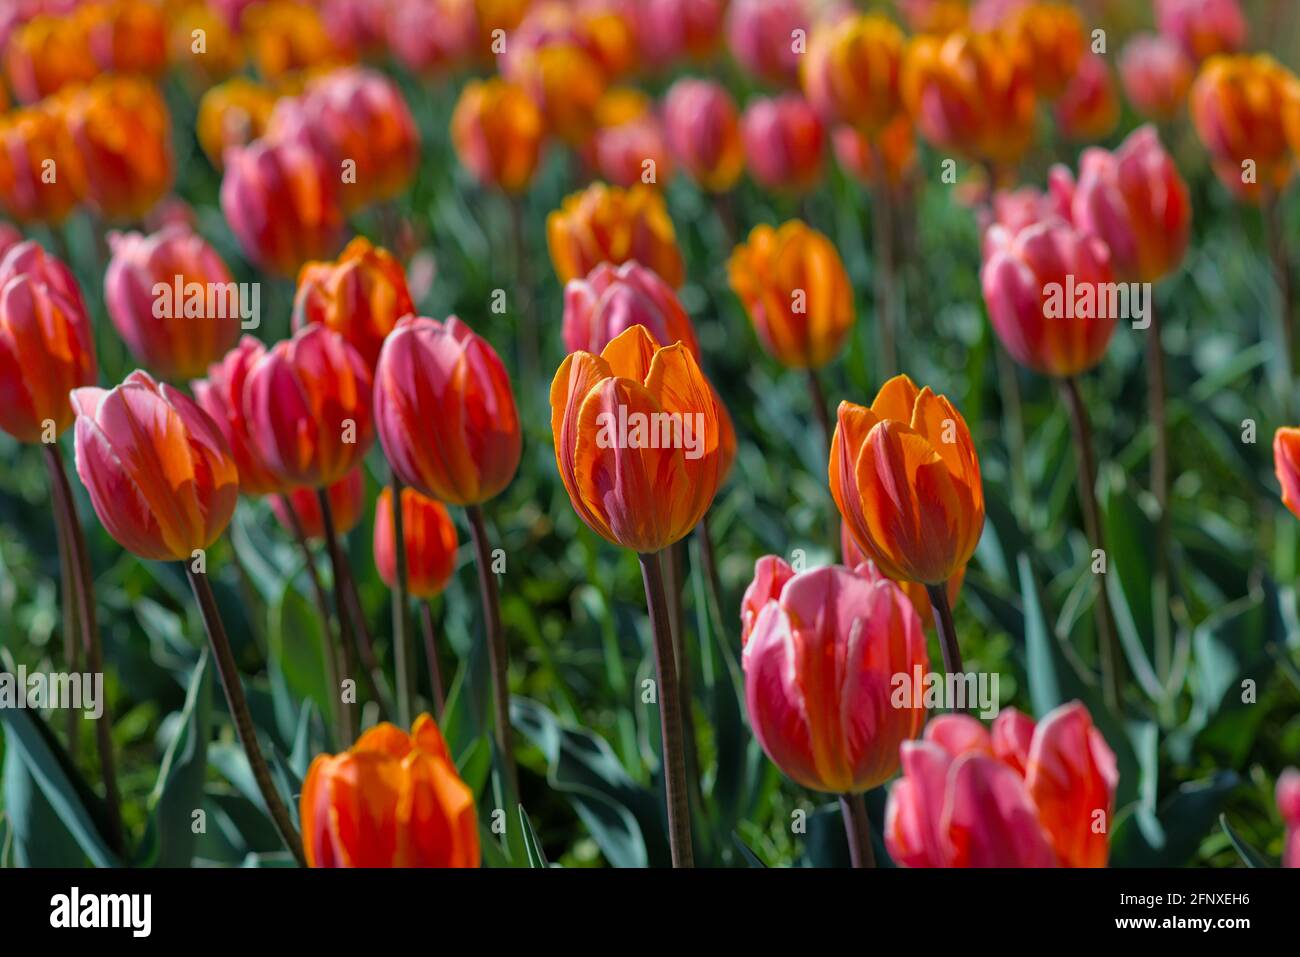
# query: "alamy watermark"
1098 300
55 690
652 430
933 690
179 299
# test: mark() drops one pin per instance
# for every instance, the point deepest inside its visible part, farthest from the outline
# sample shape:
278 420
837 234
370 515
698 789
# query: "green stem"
346 636
498 653
431 653
402 651
71 620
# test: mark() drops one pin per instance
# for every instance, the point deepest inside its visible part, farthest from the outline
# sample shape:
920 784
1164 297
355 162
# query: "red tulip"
784 142
1202 27
667 30
432 35
621 152
159 474
430 537
347 506
1088 109
703 129
445 411
308 406
613 299
221 396
1024 796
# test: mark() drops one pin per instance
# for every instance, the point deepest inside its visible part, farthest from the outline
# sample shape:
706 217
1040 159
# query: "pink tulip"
1089 108
612 299
761 35
819 663
9 237
221 396
784 142
622 150
703 130
1026 795
1156 74
1202 27
669 30
431 35
1288 805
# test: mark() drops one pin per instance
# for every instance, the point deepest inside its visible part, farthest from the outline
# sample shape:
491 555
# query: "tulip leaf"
533 847
298 642
1052 681
1249 855
1171 836
750 858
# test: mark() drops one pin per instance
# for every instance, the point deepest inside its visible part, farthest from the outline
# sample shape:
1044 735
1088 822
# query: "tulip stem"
431 653
346 634
724 210
498 654
329 646
84 583
1160 489
370 669
1108 649
818 399
239 713
402 650
670 714
71 619
947 632
673 566
1013 429
529 350
882 231
1276 237
858 828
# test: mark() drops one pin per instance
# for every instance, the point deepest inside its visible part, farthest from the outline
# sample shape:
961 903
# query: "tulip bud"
285 36
611 224
1156 74
794 287
41 178
668 30
498 133
1288 805
430 538
784 143
126 36
1202 27
851 72
221 53
613 299
703 129
819 667
638 440
172 300
47 345
1286 465
159 474
361 295
391 800
445 411
763 39
633 152
308 405
347 499
232 114
1088 109
1028 795
1051 38
1135 201
46 54
567 82
916 593
429 36
282 204
906 479
1045 288
221 396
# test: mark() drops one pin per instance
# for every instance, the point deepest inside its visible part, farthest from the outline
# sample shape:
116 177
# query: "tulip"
126 36
1156 75
122 132
1051 37
852 557
784 142
599 30
633 152
347 499
1288 805
703 130
46 54
222 52
1238 104
9 238
494 15
172 300
967 94
1286 464
282 204
47 345
1026 795
934 16
567 82
668 30
35 143
498 132
285 36
762 38
221 396
357 26
613 299
891 154
819 660
796 291
851 72
232 114
428 37
361 295
391 800
1088 109
611 224
1202 27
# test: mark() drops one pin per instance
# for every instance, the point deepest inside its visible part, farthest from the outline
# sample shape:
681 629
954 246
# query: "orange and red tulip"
222 53
430 536
35 143
391 800
308 406
1286 465
179 334
233 113
852 557
703 130
566 81
1202 27
760 34
347 499
498 132
1051 37
159 474
632 152
785 143
285 36
612 224
1156 74
221 395
1025 795
893 148
47 53
1045 288
906 479
360 295
796 291
429 36
669 30
851 72
126 36
446 412
612 299
47 344
819 662
1088 109
639 440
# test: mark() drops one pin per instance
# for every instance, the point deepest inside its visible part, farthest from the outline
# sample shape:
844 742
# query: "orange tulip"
445 411
222 52
1239 104
285 36
126 36
638 440
613 224
159 474
851 72
47 53
232 114
41 178
122 132
967 93
1286 465
47 345
430 538
794 287
906 479
567 82
498 133
853 558
391 800
1051 37
347 506
361 295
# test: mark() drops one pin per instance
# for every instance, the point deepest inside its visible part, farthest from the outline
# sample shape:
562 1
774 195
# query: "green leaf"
533 847
1249 856
1052 680
746 853
1171 837
297 658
